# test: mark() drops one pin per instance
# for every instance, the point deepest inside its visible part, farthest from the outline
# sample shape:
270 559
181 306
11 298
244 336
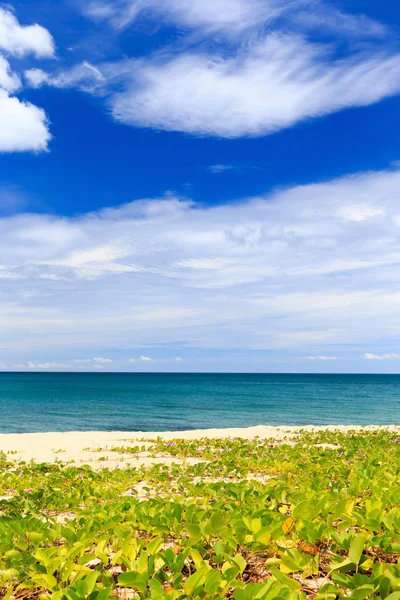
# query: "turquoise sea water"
34 402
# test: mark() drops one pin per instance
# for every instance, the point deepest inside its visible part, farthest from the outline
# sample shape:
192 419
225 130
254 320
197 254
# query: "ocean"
39 402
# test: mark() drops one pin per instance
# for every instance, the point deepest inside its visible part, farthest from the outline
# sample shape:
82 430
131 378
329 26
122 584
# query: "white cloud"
178 359
267 86
232 17
212 15
146 359
370 356
239 68
221 168
85 76
321 15
102 360
132 360
47 366
321 357
9 81
361 212
36 77
284 272
12 199
21 40
82 361
23 126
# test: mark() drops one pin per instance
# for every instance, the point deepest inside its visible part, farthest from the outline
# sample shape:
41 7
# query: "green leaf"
362 592
43 557
212 581
263 536
9 594
193 582
194 531
156 587
240 562
290 565
133 579
90 581
7 575
356 549
394 596
47 581
300 509
197 558
384 587
217 521
155 545
104 594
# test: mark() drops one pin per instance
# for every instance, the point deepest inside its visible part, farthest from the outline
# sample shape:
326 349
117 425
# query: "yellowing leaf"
288 525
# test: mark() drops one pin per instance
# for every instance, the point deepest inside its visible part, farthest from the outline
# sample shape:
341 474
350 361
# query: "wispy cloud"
321 357
259 89
209 15
12 199
233 17
263 88
85 76
221 168
146 359
297 269
370 356
266 70
102 360
47 366
82 361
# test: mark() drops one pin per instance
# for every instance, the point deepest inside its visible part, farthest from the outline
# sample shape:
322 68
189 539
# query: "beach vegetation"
316 515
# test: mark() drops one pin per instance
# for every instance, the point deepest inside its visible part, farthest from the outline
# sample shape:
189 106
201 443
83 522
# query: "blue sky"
208 186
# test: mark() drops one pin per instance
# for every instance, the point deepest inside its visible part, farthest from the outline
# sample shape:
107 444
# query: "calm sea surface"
33 402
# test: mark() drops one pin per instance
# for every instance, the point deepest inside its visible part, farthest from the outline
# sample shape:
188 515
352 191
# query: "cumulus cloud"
370 356
286 272
146 359
23 126
21 40
102 360
9 81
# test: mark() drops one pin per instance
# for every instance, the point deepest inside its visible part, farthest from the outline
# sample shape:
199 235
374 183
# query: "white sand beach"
90 446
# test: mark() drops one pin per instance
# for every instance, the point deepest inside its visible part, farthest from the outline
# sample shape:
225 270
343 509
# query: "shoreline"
95 447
